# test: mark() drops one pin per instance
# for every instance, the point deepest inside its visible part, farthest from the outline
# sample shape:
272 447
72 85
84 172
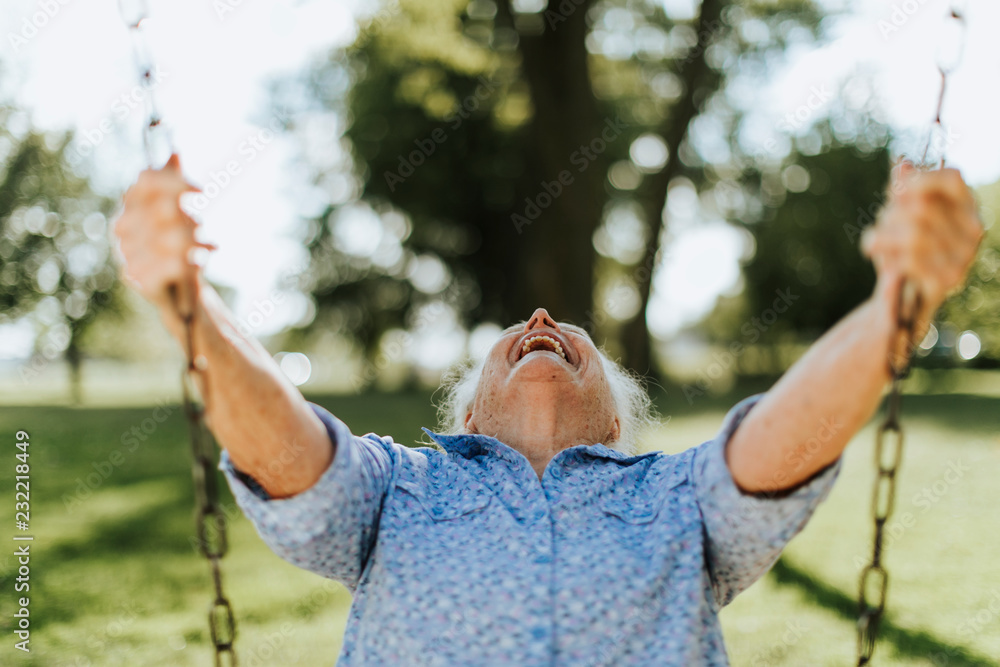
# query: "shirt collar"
469 445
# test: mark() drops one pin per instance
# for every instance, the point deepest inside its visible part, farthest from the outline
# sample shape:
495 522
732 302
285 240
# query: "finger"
177 242
127 277
949 184
901 179
174 165
903 170
925 233
954 219
155 182
869 239
922 249
942 264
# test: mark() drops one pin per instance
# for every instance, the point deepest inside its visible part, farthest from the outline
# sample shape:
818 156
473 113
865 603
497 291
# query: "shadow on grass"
114 548
159 529
957 412
905 643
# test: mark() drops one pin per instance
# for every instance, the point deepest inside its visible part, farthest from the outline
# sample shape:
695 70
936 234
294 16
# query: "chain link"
210 522
874 580
884 493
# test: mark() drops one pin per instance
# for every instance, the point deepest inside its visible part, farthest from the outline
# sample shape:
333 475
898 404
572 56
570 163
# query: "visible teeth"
551 341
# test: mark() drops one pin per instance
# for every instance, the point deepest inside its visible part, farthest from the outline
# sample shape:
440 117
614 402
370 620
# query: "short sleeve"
330 528
746 532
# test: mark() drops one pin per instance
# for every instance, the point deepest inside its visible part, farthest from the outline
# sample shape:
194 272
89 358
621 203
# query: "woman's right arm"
254 411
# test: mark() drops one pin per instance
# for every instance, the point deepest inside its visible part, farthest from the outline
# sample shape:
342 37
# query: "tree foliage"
471 167
55 264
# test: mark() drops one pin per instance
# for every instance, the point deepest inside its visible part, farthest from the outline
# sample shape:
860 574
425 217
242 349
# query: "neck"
542 424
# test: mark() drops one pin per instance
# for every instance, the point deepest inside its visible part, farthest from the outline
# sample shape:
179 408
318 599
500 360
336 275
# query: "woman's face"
538 365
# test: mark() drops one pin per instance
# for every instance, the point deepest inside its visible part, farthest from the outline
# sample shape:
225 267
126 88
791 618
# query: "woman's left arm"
928 233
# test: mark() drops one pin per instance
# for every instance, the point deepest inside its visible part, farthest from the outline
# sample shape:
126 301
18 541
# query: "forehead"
514 328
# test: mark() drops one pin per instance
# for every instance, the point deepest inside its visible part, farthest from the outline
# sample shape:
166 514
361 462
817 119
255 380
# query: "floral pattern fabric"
463 556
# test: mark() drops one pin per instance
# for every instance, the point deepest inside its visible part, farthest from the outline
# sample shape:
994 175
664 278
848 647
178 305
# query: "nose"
541 319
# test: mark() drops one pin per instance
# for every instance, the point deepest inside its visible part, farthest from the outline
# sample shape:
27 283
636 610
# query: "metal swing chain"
874 577
210 522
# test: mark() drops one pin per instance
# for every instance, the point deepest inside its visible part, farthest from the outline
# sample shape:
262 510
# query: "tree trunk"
555 268
699 82
74 362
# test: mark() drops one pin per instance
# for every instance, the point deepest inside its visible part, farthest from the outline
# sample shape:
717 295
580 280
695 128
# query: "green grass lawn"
115 580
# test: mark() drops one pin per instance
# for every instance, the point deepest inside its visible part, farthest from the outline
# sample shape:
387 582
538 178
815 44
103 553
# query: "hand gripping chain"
210 523
889 440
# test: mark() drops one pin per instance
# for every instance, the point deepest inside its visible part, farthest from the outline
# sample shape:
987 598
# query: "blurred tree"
490 146
808 258
977 307
55 264
808 248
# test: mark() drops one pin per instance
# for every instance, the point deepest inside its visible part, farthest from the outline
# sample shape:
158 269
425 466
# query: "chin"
543 367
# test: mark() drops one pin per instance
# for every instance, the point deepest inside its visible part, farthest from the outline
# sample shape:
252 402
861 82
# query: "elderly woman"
531 533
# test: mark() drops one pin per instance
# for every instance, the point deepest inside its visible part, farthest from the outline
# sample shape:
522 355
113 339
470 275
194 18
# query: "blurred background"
392 183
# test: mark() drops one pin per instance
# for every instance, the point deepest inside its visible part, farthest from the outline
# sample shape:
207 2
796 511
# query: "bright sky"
71 71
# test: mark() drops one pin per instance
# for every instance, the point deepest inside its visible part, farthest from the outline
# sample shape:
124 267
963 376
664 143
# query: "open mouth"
544 343
536 343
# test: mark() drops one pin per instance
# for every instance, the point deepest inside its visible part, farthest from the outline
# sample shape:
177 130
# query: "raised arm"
255 413
928 232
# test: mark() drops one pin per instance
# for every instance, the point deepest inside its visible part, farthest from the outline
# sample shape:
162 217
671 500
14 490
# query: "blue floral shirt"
465 557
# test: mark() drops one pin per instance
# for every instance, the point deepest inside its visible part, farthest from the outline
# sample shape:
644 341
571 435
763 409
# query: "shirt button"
544 559
539 632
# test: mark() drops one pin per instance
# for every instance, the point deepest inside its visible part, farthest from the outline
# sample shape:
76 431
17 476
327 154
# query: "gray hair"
632 404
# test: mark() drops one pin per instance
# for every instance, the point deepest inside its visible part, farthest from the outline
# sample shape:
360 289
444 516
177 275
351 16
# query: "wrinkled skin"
540 403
